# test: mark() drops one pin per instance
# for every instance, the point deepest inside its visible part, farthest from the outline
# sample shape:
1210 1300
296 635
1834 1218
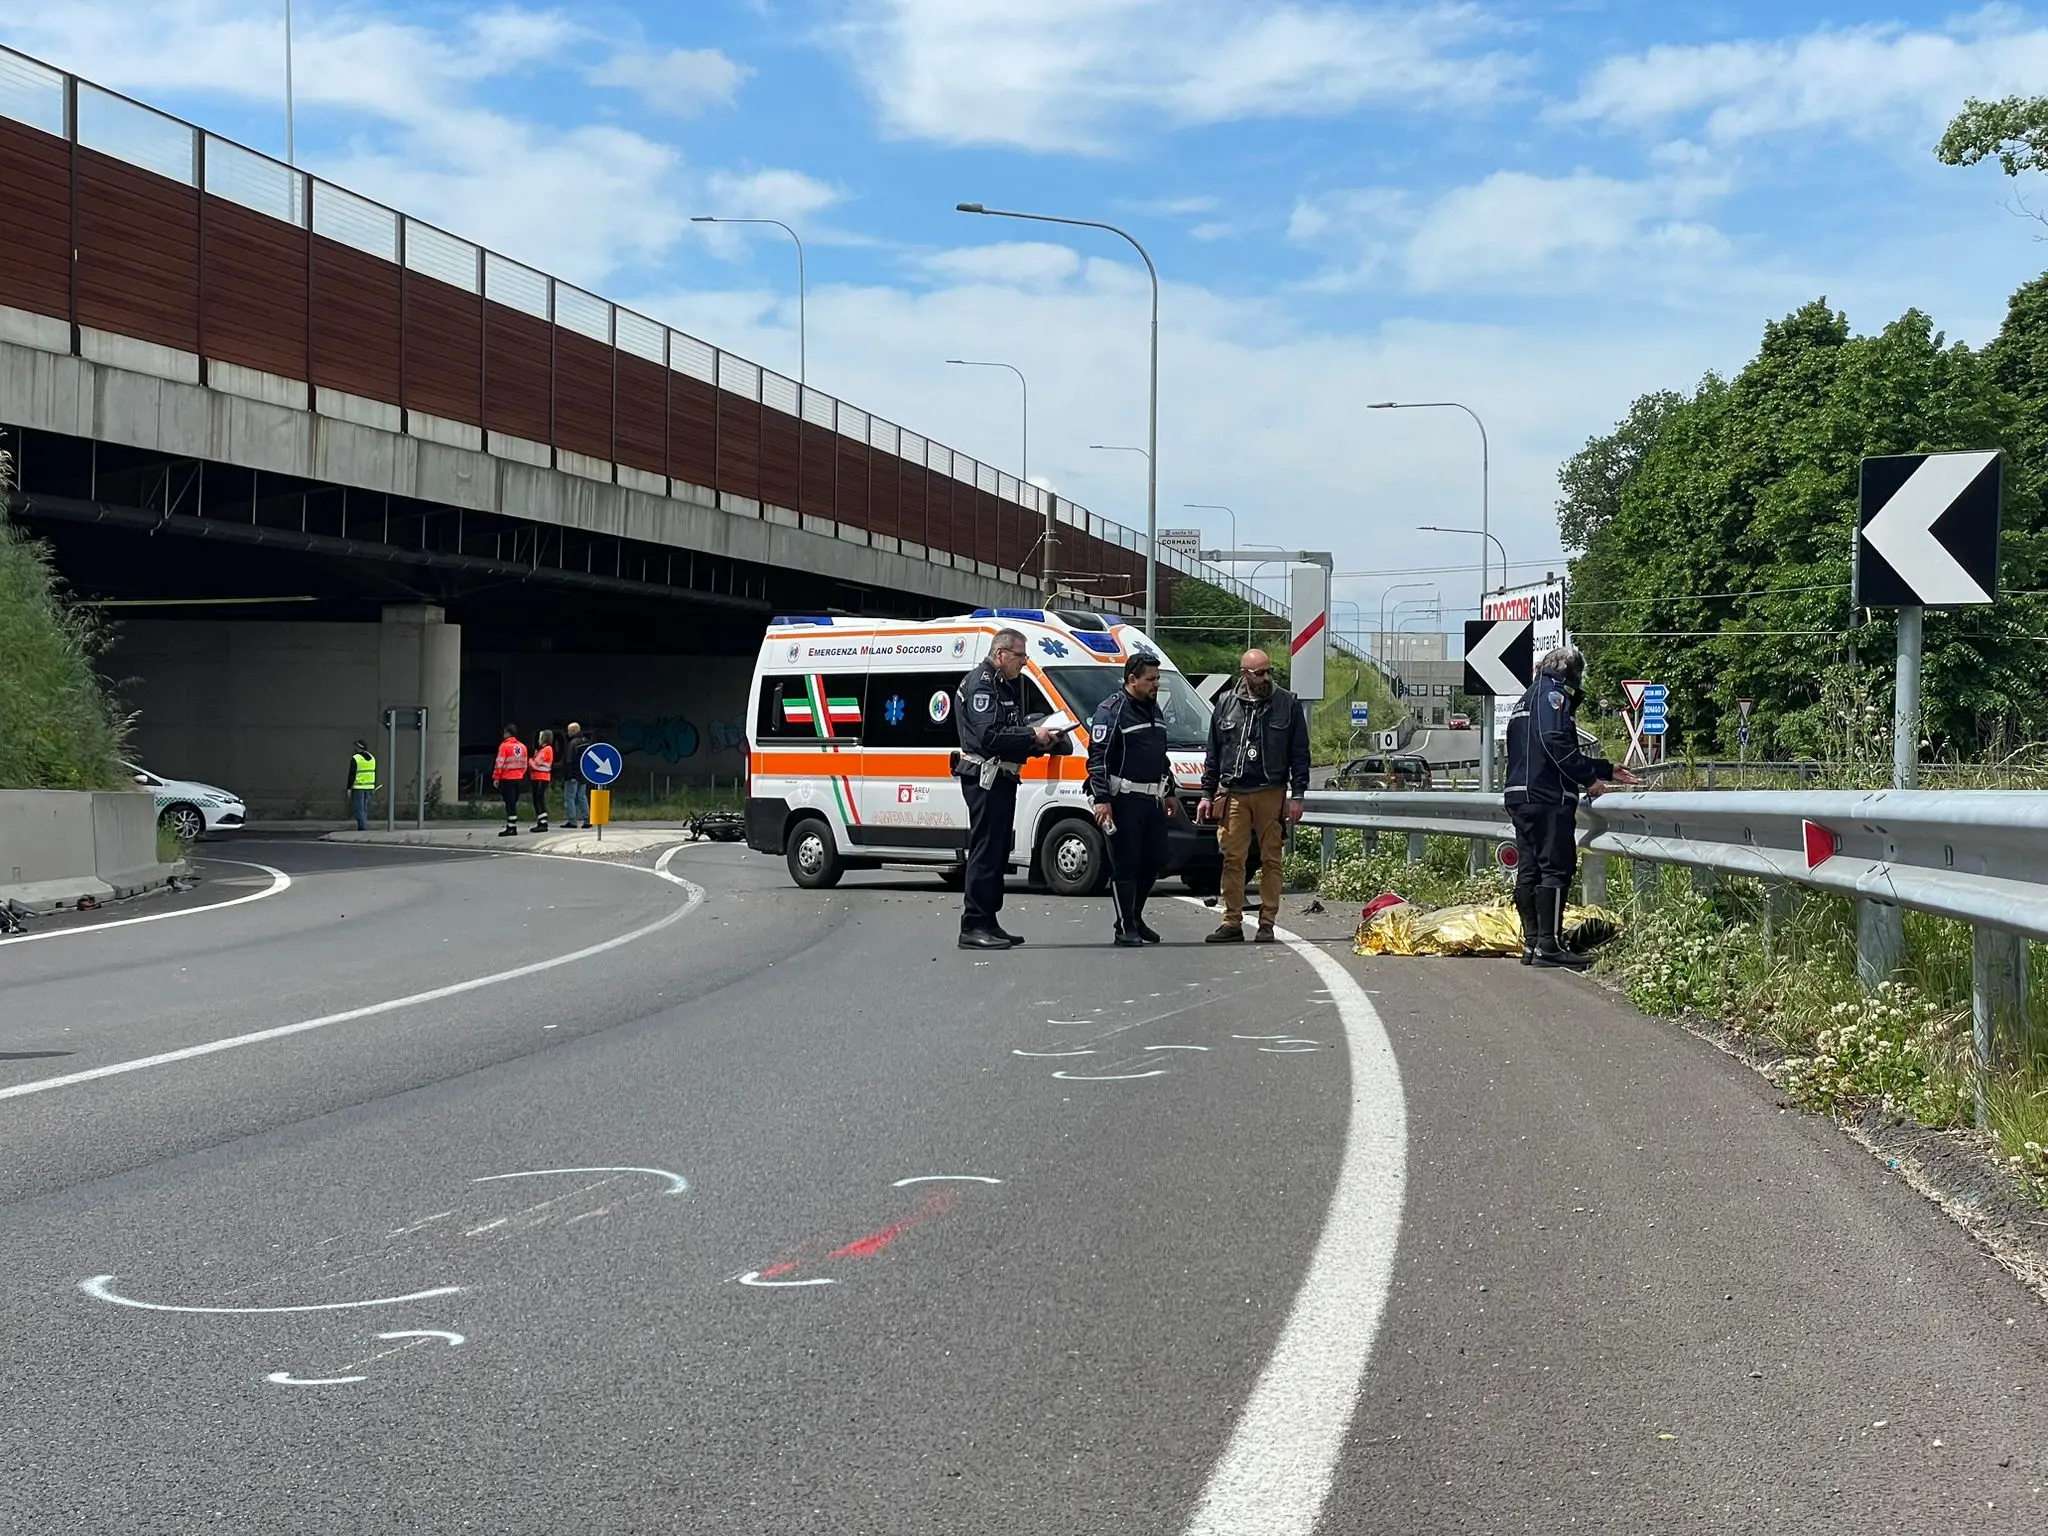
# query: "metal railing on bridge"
139 239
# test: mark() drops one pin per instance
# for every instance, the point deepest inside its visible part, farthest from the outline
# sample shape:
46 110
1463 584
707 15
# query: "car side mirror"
142 778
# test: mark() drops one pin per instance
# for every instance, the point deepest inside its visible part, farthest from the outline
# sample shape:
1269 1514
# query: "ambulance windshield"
1187 712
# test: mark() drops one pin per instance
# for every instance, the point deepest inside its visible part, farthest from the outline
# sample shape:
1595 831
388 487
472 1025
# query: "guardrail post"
1369 841
1778 899
1329 846
1476 858
1593 880
1416 847
1880 940
1704 880
1998 1003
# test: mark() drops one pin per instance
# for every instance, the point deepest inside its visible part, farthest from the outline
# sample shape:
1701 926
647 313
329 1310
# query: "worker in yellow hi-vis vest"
362 781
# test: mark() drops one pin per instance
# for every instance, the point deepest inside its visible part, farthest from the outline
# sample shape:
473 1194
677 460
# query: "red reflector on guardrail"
1820 843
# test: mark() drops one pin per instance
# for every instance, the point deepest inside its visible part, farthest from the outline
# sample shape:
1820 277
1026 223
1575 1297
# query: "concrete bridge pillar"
419 661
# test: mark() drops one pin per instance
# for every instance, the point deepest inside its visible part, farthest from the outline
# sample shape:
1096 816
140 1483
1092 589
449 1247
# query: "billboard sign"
1541 606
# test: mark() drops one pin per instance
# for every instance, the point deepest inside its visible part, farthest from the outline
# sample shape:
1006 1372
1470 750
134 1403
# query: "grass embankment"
61 729
1903 1051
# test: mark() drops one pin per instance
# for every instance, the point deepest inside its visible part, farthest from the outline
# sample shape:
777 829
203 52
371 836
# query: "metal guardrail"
1978 856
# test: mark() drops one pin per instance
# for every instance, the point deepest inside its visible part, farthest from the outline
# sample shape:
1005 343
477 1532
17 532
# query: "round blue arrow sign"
600 764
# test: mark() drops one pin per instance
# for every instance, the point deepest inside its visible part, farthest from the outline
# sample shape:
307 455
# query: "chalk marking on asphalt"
287 1379
1262 1037
946 1178
424 1334
1111 1077
99 1288
280 882
371 1010
1053 1053
677 1184
753 1277
1176 1047
1275 1473
1290 1050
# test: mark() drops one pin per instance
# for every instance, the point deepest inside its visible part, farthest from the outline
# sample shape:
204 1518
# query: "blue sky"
1539 210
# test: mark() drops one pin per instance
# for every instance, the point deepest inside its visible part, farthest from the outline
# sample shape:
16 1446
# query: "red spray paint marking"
935 1206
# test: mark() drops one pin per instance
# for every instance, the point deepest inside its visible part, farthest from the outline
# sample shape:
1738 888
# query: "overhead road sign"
1927 530
1500 657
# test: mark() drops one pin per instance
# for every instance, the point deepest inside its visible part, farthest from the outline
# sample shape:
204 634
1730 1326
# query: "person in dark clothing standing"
995 743
1547 772
1131 784
575 788
1254 778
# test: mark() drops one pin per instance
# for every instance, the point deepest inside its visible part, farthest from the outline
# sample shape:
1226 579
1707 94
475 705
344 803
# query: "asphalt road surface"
490 1193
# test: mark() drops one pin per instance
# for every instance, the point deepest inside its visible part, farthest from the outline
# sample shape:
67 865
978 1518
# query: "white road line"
677 1184
371 1010
280 882
99 1290
946 1178
1275 1473
753 1277
287 1379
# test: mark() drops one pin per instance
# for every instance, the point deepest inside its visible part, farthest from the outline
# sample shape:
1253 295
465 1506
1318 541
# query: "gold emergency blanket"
1491 928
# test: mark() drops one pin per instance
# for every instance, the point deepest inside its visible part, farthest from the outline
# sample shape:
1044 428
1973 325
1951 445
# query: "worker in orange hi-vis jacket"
509 774
540 771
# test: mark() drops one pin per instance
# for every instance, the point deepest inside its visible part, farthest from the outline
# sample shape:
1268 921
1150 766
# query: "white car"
189 809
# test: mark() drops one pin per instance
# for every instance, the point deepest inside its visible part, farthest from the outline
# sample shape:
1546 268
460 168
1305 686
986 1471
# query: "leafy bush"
59 728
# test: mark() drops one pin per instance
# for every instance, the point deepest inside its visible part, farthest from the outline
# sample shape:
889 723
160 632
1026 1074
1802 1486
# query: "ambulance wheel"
814 861
1074 858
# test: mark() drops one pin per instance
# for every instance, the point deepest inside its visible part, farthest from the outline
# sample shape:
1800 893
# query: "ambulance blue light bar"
1034 615
800 618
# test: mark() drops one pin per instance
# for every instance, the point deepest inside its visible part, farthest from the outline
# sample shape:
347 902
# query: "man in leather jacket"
1254 779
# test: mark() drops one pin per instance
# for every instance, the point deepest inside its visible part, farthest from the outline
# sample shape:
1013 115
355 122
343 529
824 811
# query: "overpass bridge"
345 459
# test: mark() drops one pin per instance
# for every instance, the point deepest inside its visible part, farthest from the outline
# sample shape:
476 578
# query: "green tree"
1592 479
2014 130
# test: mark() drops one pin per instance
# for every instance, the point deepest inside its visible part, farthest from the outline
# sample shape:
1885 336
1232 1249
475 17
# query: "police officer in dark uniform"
994 744
1131 784
1547 771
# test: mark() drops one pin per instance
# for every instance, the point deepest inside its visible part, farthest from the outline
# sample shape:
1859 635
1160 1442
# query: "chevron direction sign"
1500 656
1927 530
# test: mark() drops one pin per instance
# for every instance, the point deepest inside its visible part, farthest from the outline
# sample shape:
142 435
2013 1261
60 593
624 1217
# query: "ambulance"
850 738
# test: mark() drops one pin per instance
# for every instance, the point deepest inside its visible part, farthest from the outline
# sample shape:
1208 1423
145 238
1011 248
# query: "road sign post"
601 763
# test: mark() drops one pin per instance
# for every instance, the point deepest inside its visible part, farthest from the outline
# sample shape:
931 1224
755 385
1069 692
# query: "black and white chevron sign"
1927 530
1500 656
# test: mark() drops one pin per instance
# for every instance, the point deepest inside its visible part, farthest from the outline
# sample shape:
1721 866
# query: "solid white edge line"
280 882
371 1010
1274 1476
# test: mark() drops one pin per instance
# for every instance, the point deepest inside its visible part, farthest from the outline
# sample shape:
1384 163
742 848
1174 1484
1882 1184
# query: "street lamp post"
1399 586
1486 532
1152 409
291 148
802 327
1215 506
1482 533
1048 538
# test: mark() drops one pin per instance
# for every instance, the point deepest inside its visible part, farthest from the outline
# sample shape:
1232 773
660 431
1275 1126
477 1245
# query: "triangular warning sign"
1820 843
1634 693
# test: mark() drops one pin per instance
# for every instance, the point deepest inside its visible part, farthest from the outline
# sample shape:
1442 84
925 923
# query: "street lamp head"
703 218
1384 405
969 208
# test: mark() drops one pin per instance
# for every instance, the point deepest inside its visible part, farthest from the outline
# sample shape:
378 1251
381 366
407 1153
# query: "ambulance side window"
912 709
811 707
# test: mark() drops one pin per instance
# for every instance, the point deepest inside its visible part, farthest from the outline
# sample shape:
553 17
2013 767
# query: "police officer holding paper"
995 743
1547 772
1131 784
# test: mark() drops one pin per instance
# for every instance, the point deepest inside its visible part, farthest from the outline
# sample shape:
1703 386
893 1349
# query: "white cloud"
1021 263
681 82
1072 75
770 194
1516 232
1879 81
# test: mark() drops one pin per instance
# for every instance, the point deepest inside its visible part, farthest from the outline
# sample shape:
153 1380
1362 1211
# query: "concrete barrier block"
45 834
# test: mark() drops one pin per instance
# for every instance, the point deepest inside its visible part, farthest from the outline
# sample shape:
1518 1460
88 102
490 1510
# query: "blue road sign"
1654 698
1361 714
1742 733
601 764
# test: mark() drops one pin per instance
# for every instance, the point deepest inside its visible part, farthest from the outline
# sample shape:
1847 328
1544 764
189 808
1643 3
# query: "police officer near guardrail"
362 782
1131 784
995 743
1547 772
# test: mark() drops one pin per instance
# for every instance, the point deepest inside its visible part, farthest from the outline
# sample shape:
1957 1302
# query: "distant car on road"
1461 722
190 809
1403 770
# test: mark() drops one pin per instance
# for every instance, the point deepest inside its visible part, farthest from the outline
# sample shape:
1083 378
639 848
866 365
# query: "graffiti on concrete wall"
674 738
